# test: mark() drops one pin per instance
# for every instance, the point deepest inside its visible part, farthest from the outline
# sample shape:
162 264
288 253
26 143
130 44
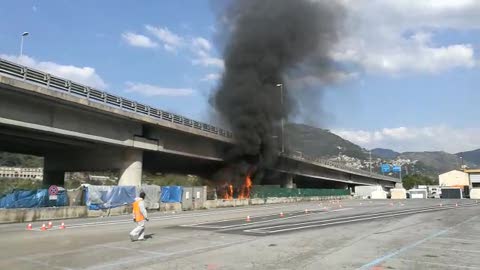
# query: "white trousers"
138 233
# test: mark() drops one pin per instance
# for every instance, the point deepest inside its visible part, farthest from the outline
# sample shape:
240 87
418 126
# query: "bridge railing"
64 85
337 165
92 94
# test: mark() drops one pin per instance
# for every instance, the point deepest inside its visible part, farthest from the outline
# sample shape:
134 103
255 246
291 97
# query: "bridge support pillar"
131 169
287 181
53 177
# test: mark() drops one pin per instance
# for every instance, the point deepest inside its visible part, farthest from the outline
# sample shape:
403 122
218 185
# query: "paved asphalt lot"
353 234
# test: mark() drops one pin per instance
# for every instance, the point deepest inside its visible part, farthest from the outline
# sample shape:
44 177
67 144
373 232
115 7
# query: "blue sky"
412 84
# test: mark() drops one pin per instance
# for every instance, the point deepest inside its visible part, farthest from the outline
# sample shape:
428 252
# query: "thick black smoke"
265 40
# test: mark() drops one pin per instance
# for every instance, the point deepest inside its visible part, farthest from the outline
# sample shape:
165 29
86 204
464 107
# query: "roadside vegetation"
413 180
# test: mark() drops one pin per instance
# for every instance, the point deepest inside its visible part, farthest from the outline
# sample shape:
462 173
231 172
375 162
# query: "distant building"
474 177
23 173
453 178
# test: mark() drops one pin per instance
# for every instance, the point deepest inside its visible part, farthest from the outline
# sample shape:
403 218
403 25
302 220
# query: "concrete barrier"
257 201
398 193
475 193
117 211
271 200
379 195
229 203
55 213
177 207
45 213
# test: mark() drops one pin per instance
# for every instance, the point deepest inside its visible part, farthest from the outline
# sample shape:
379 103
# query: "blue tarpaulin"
171 194
32 198
104 197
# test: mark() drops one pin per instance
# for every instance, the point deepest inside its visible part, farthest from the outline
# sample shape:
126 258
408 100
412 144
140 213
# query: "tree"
413 180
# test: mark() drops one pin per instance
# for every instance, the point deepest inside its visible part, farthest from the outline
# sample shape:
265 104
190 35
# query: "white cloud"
201 48
201 44
84 75
137 40
316 80
208 61
430 138
211 77
396 37
171 41
154 90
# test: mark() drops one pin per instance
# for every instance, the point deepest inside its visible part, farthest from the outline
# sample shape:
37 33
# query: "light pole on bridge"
24 34
283 119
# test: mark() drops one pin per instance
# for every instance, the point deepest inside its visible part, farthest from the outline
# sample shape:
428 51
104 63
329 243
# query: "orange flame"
245 191
228 195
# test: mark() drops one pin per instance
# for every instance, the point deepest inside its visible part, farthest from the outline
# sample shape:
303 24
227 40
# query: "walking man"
139 216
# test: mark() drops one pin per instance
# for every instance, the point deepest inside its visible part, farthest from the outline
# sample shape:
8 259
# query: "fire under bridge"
80 128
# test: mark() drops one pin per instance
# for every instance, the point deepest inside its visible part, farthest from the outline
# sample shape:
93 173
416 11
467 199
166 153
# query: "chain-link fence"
266 192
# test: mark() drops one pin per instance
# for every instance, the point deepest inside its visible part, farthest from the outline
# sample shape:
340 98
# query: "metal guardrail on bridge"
106 98
92 94
329 163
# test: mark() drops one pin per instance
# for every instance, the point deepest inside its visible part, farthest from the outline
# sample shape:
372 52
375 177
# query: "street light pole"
24 34
283 119
370 163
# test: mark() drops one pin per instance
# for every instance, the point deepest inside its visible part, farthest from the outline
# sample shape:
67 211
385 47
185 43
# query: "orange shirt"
136 211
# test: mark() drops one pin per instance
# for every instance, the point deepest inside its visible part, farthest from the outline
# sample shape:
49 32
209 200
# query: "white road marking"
44 264
470 240
226 228
161 218
348 218
135 250
136 259
441 264
411 246
201 225
451 249
316 224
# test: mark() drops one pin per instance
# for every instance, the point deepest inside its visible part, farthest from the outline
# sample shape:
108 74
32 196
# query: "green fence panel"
265 192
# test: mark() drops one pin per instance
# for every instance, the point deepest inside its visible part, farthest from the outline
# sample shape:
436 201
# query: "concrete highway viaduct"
79 128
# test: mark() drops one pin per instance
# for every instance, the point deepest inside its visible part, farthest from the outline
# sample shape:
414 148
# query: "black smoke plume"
266 39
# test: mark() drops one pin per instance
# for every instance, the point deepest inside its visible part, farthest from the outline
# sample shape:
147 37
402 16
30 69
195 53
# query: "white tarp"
152 196
104 197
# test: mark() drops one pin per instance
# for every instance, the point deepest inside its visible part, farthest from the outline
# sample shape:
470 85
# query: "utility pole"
370 163
283 118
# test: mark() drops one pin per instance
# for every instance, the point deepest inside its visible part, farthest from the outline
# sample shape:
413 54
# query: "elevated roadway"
80 128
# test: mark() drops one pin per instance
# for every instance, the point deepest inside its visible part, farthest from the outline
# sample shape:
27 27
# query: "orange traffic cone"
29 226
281 214
248 219
50 225
62 226
44 228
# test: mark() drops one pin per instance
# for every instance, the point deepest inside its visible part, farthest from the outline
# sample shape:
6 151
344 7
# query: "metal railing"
92 94
329 163
64 85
